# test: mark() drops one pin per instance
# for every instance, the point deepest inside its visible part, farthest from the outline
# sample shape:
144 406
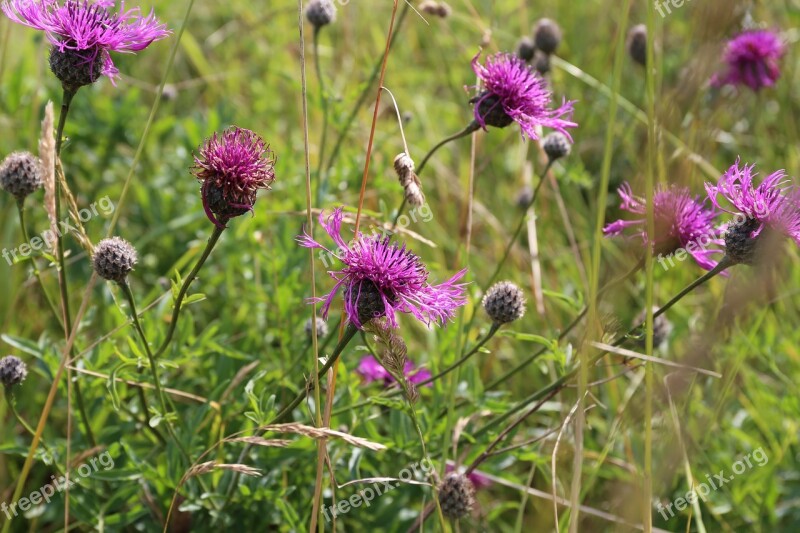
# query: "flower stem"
323 97
561 382
212 241
12 405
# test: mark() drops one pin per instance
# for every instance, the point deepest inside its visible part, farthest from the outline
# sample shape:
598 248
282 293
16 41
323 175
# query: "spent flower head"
232 167
83 33
752 59
382 278
773 206
21 174
513 92
12 371
682 221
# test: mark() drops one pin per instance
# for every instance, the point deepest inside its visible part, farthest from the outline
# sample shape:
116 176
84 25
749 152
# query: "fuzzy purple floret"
89 27
681 221
398 275
371 370
752 59
522 93
238 163
775 203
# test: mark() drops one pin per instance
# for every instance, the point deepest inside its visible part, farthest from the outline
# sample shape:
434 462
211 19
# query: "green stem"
561 382
323 97
212 241
22 422
50 303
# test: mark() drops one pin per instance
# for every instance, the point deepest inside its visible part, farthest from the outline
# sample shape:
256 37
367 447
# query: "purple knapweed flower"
752 59
382 278
515 93
371 370
83 33
479 480
681 222
774 205
232 168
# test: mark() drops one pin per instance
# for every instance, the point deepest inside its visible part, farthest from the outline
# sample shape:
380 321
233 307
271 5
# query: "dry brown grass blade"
319 433
210 466
260 441
47 154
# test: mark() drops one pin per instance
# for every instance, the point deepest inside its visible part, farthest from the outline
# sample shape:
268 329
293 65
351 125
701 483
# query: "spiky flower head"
752 59
232 167
322 327
525 49
370 369
114 259
320 13
12 371
21 174
515 93
682 221
456 496
382 278
773 207
556 145
83 33
504 302
547 35
637 43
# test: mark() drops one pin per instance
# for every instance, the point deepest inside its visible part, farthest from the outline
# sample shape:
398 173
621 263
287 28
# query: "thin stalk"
212 241
50 303
22 422
323 97
561 382
63 281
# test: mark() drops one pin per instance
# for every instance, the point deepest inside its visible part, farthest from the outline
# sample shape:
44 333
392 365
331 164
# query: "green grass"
241 351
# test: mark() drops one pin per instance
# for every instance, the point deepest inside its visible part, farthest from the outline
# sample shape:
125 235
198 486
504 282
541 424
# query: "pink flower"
753 60
371 370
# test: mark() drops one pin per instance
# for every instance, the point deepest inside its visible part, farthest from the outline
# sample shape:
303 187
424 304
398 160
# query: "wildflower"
456 496
12 371
371 370
320 13
381 278
556 145
504 302
773 206
681 222
637 44
547 35
20 174
752 59
479 481
526 48
514 93
83 34
114 259
232 168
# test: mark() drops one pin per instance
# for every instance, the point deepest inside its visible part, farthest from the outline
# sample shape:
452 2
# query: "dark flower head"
456 496
752 59
83 33
371 370
232 168
515 93
525 49
637 43
479 481
12 371
774 206
20 174
556 145
547 35
320 13
382 278
322 328
114 259
504 302
681 222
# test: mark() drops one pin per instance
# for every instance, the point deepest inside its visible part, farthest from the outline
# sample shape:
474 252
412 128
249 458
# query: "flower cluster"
752 60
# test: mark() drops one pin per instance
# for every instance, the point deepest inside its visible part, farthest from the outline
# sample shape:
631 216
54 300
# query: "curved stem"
50 303
561 382
212 241
22 422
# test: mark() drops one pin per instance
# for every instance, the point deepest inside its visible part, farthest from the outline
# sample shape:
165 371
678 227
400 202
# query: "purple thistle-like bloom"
371 370
479 480
681 222
774 204
513 92
752 58
83 33
232 168
382 278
